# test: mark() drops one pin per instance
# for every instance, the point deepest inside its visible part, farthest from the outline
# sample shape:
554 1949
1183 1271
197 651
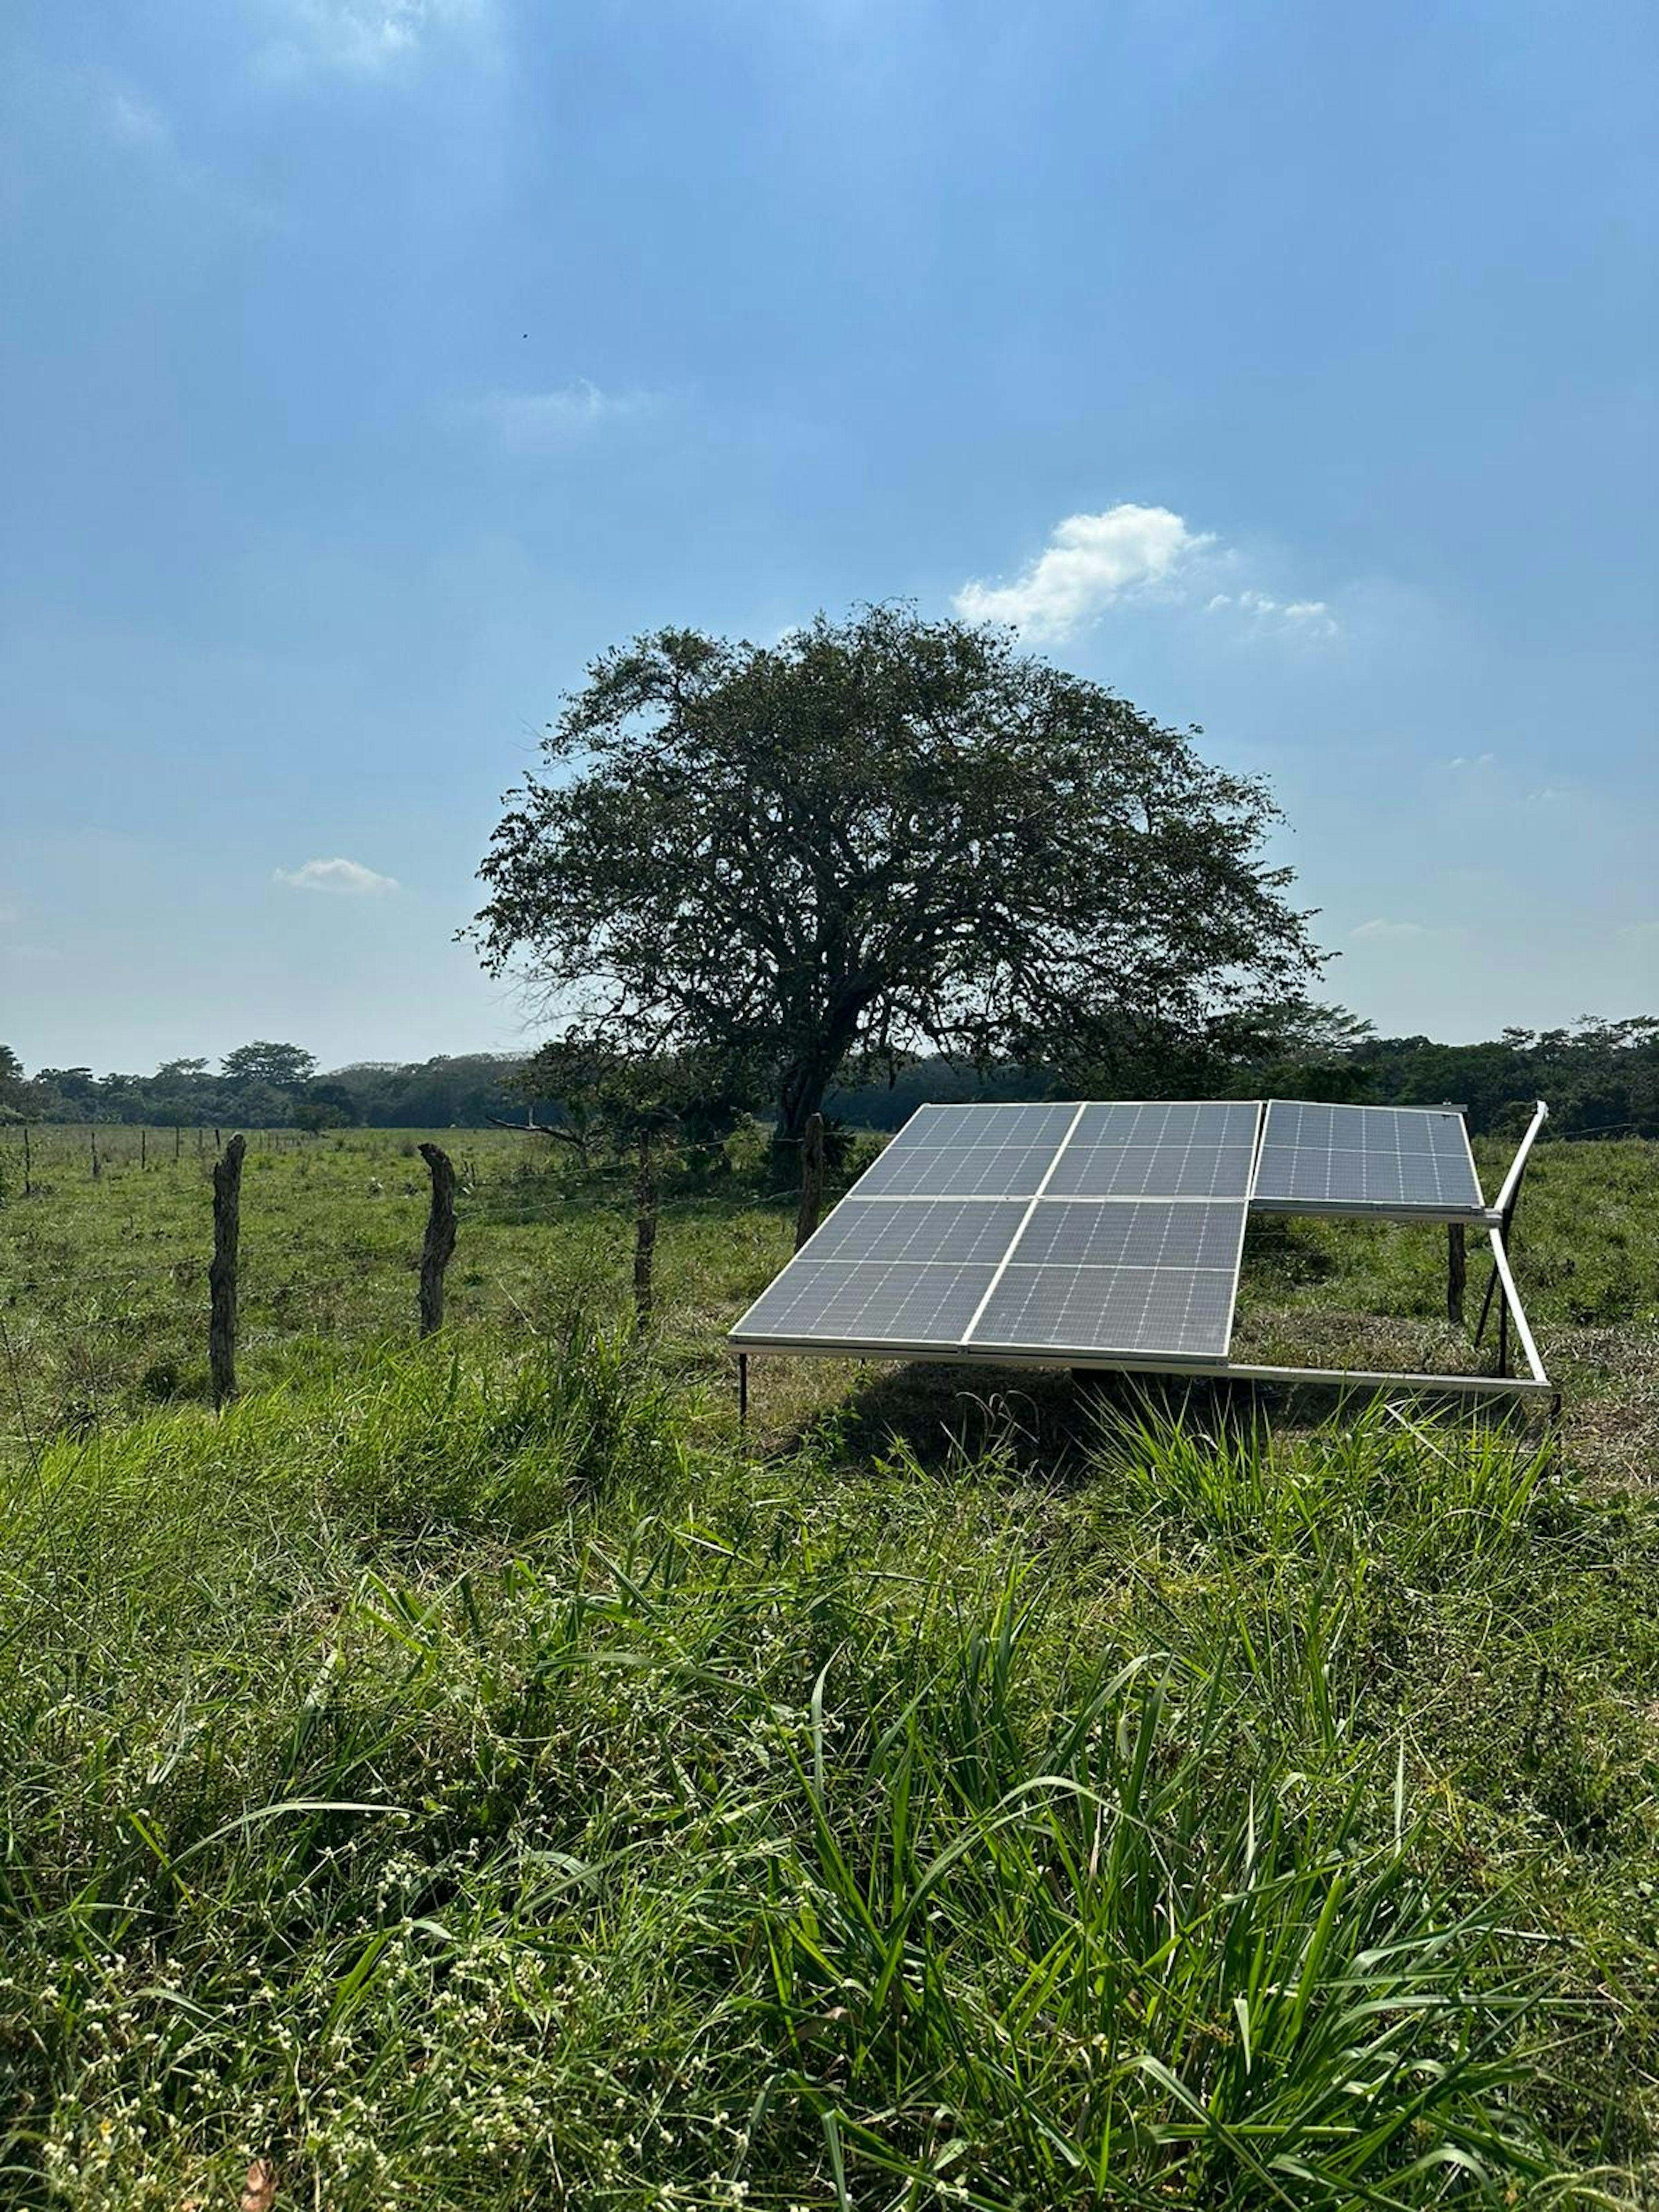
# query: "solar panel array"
1107 1230
1095 1229
1403 1160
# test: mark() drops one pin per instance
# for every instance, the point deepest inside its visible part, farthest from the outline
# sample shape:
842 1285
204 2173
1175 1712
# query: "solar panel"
1161 1313
1177 1122
969 1172
903 1303
1151 1171
1152 1233
934 1231
1160 1151
1403 1160
956 1125
1158 1279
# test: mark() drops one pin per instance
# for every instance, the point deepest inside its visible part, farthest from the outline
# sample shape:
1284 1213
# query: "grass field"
474 1774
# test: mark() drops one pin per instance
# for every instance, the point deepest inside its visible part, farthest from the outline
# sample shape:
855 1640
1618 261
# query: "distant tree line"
267 1085
1601 1079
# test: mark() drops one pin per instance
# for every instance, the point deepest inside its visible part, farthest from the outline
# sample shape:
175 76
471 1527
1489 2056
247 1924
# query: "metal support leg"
1505 1208
1486 1308
743 1391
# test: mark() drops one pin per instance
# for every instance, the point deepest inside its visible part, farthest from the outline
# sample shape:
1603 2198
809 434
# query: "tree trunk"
221 1275
439 1248
811 1180
800 1097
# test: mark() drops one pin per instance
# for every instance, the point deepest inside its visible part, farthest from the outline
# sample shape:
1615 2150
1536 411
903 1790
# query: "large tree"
263 1062
875 836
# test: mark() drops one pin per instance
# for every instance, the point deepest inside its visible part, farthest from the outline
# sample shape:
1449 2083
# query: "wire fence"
344 1263
347 1277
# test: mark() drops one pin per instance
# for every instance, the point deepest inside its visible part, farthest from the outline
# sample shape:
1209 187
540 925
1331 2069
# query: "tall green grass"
455 1783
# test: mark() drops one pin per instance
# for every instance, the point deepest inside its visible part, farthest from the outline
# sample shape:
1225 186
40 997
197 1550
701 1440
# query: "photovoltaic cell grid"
1364 1159
970 1152
1164 1313
1156 1278
1159 1152
1102 1229
902 1301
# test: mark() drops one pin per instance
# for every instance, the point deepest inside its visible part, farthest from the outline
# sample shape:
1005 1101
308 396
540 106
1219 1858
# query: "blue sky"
370 365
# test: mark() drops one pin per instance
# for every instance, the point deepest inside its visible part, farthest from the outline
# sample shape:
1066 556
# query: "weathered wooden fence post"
440 1246
1456 1272
178 1138
221 1275
143 1148
97 1164
812 1179
645 1227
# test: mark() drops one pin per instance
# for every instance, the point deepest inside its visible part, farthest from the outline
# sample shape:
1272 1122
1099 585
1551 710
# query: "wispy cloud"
1472 760
1310 617
347 878
1130 553
1380 928
552 421
135 120
1090 561
362 38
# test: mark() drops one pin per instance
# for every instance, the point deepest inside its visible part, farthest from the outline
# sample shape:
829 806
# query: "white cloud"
1090 561
1549 795
1311 618
349 877
361 38
1643 933
1472 760
545 422
1379 928
1095 561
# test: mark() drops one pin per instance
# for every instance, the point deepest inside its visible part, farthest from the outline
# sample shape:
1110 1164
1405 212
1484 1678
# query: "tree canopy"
265 1062
877 835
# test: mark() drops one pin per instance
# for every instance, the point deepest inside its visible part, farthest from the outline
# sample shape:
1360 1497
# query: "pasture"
477 1774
